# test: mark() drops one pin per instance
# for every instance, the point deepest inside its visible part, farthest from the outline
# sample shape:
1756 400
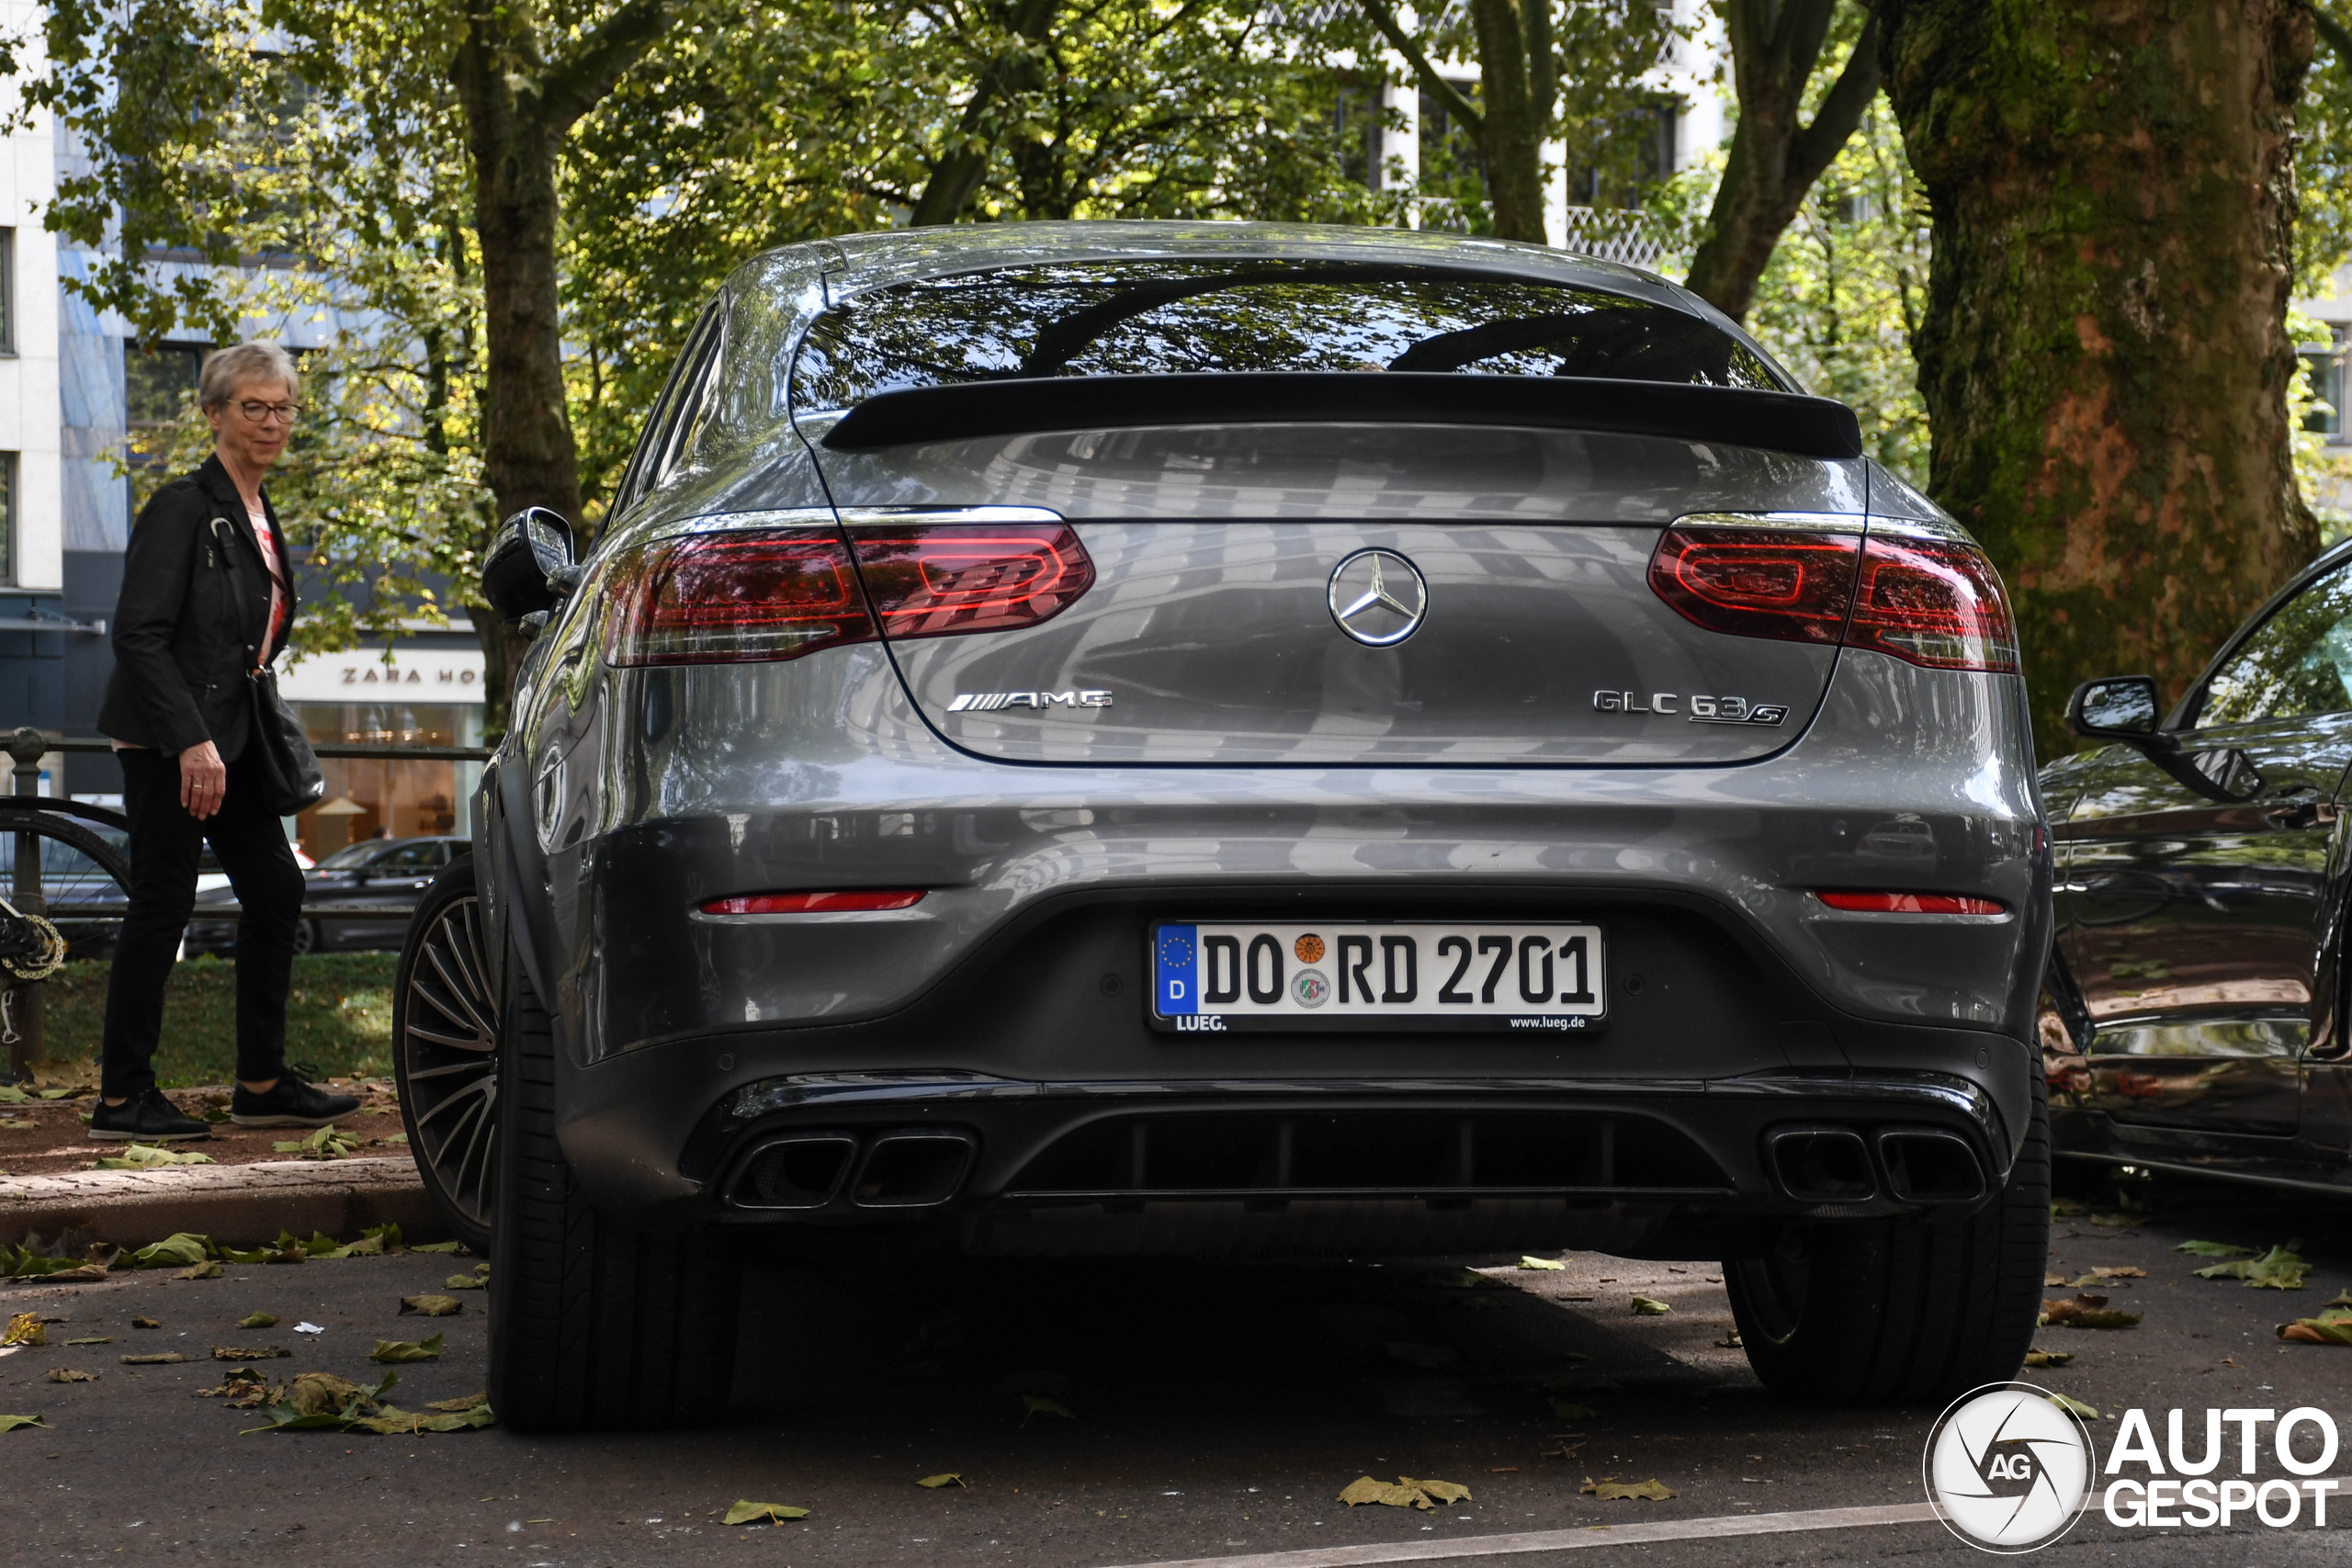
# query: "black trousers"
250 842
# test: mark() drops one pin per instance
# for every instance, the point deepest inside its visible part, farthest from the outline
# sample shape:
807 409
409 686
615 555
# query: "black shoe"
292 1103
148 1118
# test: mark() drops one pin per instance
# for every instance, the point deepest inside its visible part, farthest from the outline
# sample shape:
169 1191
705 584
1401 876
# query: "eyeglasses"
282 413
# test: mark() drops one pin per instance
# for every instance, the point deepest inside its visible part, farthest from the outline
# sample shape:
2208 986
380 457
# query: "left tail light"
939 580
713 598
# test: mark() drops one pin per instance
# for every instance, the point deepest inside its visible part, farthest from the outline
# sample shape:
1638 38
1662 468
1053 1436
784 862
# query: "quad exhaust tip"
918 1167
1840 1166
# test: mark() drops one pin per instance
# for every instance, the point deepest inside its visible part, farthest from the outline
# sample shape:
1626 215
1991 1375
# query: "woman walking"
207 598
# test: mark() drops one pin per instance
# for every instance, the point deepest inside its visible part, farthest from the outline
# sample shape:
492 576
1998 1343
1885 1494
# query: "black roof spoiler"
1778 421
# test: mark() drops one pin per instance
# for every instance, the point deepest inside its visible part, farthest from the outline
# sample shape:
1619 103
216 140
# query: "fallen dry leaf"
2280 1268
2086 1312
1653 1490
2332 1327
164 1358
66 1374
2074 1407
949 1478
746 1512
1549 1265
1650 1306
10 1423
207 1270
257 1320
24 1328
249 1353
2048 1358
395 1351
2213 1249
432 1306
144 1323
94 1339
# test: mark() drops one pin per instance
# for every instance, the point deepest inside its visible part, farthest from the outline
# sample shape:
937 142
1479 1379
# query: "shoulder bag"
289 769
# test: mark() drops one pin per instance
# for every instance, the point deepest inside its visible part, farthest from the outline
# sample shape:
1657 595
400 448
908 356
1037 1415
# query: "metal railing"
29 746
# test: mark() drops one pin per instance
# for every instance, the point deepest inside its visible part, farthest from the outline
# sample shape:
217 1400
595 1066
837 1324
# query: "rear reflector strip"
810 903
1910 903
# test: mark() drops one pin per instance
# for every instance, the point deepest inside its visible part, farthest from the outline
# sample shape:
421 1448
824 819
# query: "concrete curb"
239 1203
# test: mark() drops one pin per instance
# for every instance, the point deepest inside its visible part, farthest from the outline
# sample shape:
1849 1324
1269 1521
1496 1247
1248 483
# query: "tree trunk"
2105 358
1775 157
1014 70
1515 112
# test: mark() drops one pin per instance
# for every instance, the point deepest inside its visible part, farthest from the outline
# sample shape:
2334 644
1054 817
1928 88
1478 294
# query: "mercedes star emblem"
1378 598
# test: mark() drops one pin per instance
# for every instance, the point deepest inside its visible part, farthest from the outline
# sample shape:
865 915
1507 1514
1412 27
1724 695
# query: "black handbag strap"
225 533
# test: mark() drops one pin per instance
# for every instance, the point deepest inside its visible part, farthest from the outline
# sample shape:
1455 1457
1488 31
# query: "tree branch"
580 82
1841 111
1457 102
2332 33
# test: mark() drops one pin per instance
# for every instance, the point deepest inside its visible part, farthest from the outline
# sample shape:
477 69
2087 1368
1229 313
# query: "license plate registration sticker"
1449 975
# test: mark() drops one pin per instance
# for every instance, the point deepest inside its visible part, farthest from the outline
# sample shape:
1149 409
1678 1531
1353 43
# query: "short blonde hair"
247 362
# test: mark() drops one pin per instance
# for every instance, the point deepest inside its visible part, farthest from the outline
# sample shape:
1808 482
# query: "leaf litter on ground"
67 1374
746 1512
1607 1491
10 1423
1548 1265
161 1359
1407 1492
2048 1358
254 1353
1650 1306
327 1143
950 1478
2280 1268
145 1157
2086 1312
2074 1407
2213 1249
257 1320
323 1402
432 1306
395 1351
24 1328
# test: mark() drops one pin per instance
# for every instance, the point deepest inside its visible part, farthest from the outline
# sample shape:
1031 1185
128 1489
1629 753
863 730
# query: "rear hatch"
1313 591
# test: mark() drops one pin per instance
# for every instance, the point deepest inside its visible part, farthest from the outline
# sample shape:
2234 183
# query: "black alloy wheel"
445 1054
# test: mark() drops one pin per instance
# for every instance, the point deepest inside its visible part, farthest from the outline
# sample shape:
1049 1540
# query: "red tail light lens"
710 598
1934 601
1758 582
1909 903
810 903
947 578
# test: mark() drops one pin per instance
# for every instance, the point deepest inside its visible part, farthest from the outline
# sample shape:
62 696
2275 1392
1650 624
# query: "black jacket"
180 656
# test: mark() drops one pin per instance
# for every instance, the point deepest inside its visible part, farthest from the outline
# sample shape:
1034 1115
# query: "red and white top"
278 609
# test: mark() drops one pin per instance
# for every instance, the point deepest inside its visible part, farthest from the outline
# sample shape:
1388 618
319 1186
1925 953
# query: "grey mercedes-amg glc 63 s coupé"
1092 739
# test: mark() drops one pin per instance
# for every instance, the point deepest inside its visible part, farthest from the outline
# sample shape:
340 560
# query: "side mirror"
2119 707
2123 708
528 548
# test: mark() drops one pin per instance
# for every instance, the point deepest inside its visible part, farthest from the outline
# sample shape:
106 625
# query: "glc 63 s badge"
1698 709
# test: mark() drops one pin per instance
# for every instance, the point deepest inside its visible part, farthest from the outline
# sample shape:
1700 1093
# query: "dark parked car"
389 875
2197 1018
1130 737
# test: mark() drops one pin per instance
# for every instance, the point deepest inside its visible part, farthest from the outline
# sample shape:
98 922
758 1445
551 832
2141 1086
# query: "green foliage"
338 1015
1843 297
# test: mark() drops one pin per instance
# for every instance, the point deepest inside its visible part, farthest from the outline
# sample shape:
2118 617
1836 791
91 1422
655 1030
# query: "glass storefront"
386 799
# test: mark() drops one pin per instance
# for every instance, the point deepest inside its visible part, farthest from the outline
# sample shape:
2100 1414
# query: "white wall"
28 390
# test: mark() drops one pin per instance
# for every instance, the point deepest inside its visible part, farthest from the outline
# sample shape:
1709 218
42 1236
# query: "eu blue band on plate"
1176 954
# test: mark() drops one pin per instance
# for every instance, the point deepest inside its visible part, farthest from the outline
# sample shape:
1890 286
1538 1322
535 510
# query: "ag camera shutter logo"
2007 1469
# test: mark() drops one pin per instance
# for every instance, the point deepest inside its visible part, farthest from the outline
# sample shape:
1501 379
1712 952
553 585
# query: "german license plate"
1216 977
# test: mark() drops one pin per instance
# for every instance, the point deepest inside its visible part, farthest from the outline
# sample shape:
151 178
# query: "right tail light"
1936 603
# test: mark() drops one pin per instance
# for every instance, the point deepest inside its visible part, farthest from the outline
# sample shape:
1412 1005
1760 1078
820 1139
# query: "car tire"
592 1327
306 938
1903 1311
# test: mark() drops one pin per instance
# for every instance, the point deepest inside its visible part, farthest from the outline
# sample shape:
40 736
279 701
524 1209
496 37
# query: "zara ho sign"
438 676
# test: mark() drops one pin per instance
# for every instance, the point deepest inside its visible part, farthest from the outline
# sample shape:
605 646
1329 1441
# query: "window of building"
7 517
1355 124
157 381
370 799
2326 363
7 292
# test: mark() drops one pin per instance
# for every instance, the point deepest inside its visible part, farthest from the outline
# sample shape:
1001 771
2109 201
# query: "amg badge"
1699 709
989 702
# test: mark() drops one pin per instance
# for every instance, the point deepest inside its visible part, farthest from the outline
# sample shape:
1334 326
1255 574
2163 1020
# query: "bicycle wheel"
84 876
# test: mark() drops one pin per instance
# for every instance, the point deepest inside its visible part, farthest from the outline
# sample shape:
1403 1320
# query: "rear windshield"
1169 318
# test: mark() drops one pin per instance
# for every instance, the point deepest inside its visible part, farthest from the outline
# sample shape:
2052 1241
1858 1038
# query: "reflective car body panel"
1253 762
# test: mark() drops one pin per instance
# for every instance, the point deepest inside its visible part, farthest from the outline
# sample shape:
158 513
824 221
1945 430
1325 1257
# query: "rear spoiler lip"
1778 421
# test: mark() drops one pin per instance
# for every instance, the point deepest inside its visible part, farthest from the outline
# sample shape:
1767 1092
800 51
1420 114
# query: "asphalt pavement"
1215 1409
